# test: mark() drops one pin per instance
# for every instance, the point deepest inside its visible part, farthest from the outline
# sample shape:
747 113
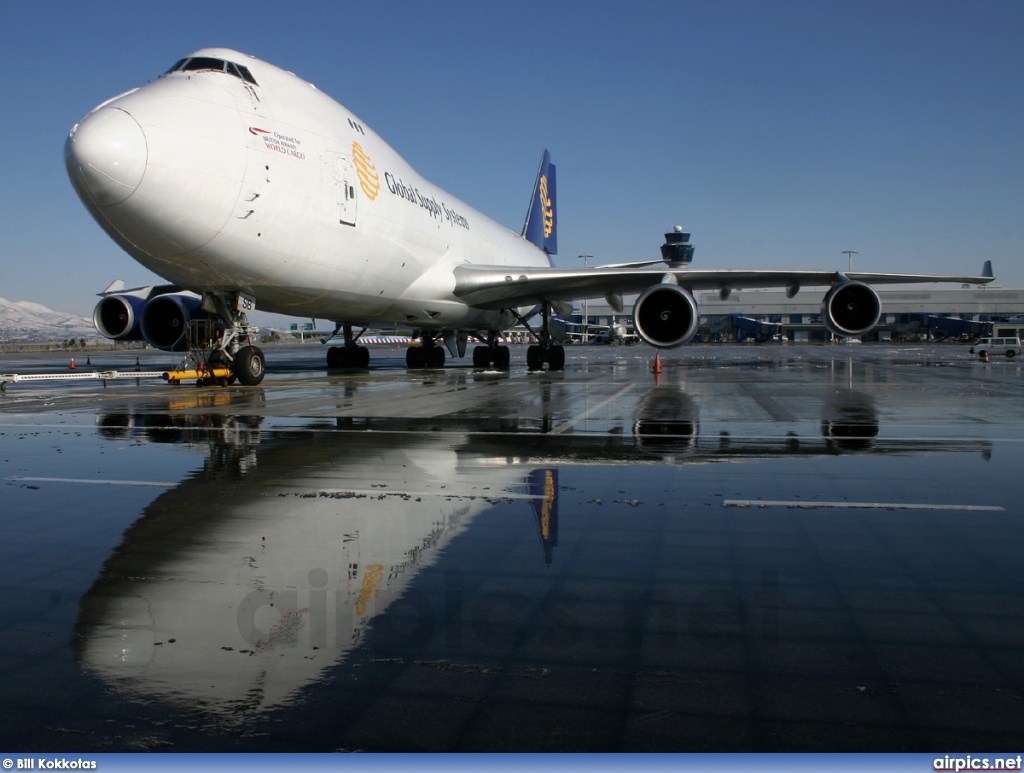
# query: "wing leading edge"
502 287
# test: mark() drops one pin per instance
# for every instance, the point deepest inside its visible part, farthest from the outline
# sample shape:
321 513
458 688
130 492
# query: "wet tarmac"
761 548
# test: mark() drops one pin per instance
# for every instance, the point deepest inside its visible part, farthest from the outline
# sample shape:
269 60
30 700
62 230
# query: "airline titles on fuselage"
279 142
413 195
289 146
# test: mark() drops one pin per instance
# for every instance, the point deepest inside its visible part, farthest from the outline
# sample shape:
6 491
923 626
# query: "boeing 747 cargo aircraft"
245 187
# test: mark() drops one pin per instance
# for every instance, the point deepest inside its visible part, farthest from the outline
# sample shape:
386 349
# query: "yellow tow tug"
219 376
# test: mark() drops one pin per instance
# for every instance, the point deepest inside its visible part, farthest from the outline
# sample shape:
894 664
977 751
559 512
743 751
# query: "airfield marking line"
103 482
587 413
812 505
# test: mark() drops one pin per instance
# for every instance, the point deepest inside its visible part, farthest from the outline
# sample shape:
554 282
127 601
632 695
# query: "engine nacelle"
117 317
666 316
165 320
851 308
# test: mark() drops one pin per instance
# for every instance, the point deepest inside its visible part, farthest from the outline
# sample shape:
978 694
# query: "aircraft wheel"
414 357
556 358
502 358
362 357
334 357
481 356
249 365
435 356
534 358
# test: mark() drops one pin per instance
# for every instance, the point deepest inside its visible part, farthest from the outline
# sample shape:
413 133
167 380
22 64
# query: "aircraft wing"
501 287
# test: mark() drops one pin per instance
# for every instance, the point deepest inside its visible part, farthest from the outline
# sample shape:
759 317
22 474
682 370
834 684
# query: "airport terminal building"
927 312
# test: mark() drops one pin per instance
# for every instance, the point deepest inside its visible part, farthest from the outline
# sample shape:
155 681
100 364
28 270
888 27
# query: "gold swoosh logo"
367 172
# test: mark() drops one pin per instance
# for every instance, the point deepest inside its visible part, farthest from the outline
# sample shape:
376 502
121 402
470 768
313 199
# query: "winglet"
541 226
986 270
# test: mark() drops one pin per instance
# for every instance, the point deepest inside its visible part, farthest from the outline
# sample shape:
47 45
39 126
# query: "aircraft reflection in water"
248 580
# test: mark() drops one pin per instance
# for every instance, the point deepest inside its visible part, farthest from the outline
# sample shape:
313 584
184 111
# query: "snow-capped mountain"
22 321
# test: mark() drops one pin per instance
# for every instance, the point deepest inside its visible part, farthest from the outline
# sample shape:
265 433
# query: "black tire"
435 356
335 357
502 358
249 365
414 357
362 358
556 358
534 358
1010 353
481 356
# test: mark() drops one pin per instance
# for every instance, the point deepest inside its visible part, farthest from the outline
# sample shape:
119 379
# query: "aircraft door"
340 179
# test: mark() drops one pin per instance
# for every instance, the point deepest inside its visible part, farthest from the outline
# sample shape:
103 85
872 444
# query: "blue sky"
779 133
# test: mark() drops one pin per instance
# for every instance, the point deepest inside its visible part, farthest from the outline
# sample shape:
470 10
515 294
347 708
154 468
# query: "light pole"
849 254
585 258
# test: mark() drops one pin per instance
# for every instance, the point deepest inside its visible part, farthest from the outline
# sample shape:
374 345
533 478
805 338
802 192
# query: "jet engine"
666 315
165 319
118 316
851 308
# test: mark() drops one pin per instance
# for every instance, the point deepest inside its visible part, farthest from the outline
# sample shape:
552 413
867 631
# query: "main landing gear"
547 351
351 355
554 355
430 354
426 355
492 354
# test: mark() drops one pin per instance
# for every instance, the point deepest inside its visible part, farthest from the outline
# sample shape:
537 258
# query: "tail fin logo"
541 227
369 181
545 204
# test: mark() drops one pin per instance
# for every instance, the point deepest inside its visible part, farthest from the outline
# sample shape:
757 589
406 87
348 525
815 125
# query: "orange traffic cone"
657 362
72 365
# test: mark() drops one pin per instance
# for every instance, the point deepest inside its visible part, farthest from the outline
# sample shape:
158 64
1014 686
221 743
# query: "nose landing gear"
223 342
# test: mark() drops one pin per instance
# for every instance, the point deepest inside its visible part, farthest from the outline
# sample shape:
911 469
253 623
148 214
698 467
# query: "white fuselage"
274 189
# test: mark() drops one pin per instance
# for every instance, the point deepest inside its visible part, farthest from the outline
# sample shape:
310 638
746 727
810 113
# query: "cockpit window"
204 63
218 65
244 72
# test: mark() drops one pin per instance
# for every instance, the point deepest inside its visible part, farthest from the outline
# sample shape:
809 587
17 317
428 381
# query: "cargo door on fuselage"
340 182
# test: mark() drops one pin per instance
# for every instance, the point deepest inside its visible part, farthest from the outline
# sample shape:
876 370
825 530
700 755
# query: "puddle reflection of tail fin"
542 486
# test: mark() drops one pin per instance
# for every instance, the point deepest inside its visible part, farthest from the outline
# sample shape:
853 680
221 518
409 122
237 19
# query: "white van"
1008 346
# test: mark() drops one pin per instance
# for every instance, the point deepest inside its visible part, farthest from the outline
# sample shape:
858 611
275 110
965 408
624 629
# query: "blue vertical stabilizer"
541 226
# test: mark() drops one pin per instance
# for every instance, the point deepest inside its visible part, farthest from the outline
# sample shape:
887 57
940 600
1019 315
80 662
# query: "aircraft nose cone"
106 156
